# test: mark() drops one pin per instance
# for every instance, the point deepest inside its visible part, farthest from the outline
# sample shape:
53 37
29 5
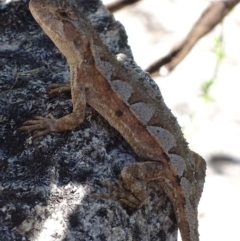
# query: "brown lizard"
127 98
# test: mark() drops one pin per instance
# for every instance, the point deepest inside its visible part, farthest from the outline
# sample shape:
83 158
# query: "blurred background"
203 92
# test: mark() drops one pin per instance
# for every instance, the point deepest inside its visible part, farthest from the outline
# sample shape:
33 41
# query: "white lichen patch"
121 57
123 89
125 61
164 137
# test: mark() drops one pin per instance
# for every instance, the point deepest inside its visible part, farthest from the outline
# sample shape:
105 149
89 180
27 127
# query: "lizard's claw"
56 89
120 193
41 125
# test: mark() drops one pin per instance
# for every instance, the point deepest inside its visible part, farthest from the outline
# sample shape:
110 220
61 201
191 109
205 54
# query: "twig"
212 16
117 5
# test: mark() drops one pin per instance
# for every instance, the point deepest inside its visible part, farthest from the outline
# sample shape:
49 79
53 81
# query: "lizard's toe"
56 89
119 193
41 125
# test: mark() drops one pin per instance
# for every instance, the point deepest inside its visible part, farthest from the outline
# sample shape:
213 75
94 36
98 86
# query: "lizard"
129 100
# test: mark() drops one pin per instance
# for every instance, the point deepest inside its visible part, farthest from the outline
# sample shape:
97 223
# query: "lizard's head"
50 14
63 24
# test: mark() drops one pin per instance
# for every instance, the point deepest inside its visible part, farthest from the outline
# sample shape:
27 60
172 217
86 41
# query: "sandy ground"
211 127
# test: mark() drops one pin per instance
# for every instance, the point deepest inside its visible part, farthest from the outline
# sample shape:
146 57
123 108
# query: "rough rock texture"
44 183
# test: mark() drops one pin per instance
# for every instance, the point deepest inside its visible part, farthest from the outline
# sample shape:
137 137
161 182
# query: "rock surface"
44 183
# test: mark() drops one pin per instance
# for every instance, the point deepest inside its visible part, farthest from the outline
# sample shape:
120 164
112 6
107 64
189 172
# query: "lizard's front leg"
131 191
43 125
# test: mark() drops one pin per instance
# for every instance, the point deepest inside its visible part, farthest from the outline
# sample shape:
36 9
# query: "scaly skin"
125 97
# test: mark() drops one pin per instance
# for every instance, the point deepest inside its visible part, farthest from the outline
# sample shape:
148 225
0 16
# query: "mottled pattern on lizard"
130 101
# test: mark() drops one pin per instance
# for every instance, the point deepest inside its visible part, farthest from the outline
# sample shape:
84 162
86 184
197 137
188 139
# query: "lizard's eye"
63 14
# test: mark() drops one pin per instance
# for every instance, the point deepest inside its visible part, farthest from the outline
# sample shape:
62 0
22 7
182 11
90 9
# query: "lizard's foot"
41 125
56 89
132 190
120 193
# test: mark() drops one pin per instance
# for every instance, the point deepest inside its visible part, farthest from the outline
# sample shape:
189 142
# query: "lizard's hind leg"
131 190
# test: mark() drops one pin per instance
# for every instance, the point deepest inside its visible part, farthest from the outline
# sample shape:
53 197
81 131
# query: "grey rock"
44 183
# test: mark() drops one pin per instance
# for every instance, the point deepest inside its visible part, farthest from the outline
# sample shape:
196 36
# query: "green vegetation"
218 50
